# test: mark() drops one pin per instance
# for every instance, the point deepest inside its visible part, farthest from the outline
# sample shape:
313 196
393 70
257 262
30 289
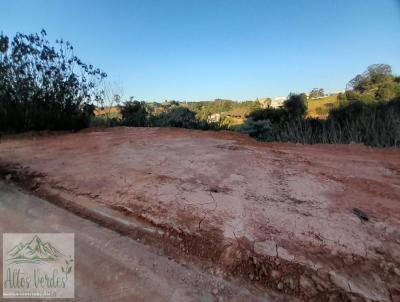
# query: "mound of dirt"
284 216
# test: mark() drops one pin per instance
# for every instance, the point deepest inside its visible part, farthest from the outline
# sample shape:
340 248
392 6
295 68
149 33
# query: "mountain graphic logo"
34 251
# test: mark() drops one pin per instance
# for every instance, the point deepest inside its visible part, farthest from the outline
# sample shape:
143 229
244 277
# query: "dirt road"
111 267
316 222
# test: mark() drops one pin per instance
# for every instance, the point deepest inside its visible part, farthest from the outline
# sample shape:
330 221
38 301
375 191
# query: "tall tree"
377 83
44 86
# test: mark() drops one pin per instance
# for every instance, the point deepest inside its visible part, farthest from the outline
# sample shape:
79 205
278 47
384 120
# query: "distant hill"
233 113
320 107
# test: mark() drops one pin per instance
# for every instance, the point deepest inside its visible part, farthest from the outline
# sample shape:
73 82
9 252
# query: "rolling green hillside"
320 107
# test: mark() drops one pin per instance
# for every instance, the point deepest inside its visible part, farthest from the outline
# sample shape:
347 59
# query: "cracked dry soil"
280 216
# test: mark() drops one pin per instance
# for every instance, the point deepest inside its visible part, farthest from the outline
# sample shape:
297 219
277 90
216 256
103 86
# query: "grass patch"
319 108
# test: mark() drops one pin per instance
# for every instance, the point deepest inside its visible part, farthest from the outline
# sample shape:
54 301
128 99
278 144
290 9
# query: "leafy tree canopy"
377 83
44 86
317 93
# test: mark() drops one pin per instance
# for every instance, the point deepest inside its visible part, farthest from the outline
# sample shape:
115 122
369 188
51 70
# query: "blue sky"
206 49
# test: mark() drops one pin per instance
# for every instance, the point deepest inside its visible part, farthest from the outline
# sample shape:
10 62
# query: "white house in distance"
264 102
214 118
278 101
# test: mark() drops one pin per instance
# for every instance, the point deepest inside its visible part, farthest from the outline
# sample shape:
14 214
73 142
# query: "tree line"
45 86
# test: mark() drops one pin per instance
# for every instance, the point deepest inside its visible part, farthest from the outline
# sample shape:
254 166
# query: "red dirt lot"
316 222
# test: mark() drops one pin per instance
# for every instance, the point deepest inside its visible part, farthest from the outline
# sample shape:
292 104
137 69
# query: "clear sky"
206 49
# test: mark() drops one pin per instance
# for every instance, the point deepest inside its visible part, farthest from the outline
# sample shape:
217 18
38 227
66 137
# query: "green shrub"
257 128
375 124
296 105
134 114
176 116
274 115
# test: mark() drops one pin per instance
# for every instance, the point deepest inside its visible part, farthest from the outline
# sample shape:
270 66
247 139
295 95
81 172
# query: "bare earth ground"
280 216
110 267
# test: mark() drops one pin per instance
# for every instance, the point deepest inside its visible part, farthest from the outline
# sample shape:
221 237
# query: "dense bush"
169 114
375 124
274 115
363 115
134 114
44 87
176 116
258 128
296 106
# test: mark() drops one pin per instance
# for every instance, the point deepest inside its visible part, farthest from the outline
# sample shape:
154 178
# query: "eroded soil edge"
237 259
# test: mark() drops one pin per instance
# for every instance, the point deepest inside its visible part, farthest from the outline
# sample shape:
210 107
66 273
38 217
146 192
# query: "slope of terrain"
316 222
114 268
